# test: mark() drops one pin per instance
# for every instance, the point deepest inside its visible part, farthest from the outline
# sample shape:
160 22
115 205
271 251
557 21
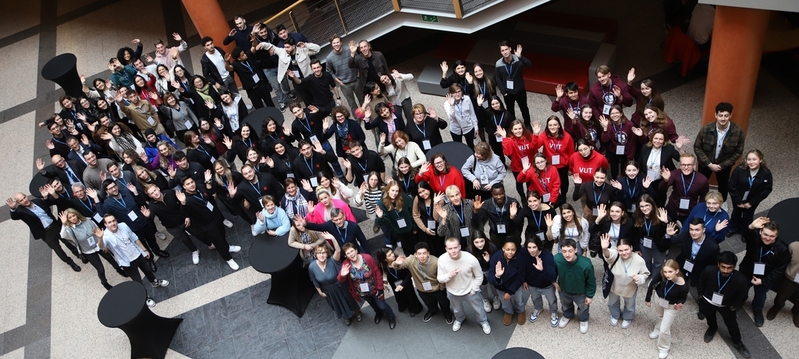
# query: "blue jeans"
568 302
271 76
336 167
379 305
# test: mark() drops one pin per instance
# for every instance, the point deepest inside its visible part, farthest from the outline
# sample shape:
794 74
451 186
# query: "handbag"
607 277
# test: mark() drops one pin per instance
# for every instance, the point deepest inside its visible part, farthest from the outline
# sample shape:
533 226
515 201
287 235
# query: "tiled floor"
50 311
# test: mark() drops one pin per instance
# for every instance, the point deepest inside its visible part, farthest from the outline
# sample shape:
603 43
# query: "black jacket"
706 257
209 69
245 74
668 155
760 189
353 234
33 222
429 130
775 256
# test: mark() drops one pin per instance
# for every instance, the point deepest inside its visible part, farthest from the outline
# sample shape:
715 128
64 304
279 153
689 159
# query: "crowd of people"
154 140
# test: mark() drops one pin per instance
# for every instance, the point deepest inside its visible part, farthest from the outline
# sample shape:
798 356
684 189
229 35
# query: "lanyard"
575 109
632 189
459 106
718 275
441 180
499 211
704 217
666 290
543 183
124 183
426 267
429 211
310 165
343 235
201 198
121 201
509 70
685 189
90 207
393 273
406 182
538 220
200 148
460 215
248 66
59 141
626 265
256 186
482 89
597 198
618 232
74 178
751 181
363 166
424 132
244 141
761 253
307 125
647 226
502 118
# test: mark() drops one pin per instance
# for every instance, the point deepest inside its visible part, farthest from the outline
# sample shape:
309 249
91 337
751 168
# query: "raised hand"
11 203
103 175
576 179
135 42
147 58
663 215
514 209
231 189
132 188
382 137
559 91
378 212
353 46
210 104
367 113
536 127
269 162
759 222
227 141
518 51
647 181
721 225
615 184
49 144
605 239
180 196
98 232
671 229
616 91
499 270
570 113
604 122
260 216
478 203
480 100
444 68
63 217
450 99
469 77
39 164
218 123
501 131
432 112
665 173
306 185
145 211
177 37
638 131
208 175
601 211
442 212
438 198
548 220
526 166
538 264
92 193
172 171
631 75
425 167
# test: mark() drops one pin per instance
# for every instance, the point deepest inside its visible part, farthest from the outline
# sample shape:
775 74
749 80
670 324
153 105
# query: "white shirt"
653 163
219 62
122 244
467 280
720 134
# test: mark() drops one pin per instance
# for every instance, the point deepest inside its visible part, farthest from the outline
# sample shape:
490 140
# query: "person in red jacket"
585 161
558 147
441 176
544 179
521 146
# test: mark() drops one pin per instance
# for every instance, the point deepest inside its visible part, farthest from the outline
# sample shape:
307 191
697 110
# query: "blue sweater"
278 222
514 275
536 278
711 219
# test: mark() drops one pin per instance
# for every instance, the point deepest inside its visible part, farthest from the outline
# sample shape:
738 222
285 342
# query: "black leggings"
564 186
94 260
468 136
135 265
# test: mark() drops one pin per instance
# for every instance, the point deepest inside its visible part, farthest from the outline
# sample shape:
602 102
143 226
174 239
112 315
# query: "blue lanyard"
751 181
201 149
482 89
509 70
538 220
256 186
393 273
67 194
124 183
245 142
575 109
597 198
441 180
543 183
406 182
626 266
707 221
502 118
718 275
426 267
90 207
632 189
248 66
308 126
666 290
310 166
363 167
499 211
460 215
59 141
685 189
429 211
424 132
647 226
201 198
459 106
761 253
122 202
343 235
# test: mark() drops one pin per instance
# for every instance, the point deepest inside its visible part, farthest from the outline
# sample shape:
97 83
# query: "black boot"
153 267
75 267
122 272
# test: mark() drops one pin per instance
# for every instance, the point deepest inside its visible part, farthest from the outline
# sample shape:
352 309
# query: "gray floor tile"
248 345
300 345
239 301
276 349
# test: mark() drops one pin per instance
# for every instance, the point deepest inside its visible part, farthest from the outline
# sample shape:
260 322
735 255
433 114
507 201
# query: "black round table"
291 285
518 353
257 118
124 307
63 70
456 153
37 181
786 214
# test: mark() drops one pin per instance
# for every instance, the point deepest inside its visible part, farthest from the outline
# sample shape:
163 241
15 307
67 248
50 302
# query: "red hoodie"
586 167
439 183
516 148
563 147
549 178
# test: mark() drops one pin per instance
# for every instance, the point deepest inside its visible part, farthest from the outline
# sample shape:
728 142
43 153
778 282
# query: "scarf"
205 93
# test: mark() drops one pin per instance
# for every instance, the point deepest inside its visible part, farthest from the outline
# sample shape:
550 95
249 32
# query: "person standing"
508 76
318 84
461 273
698 250
576 284
765 261
128 250
214 69
365 282
723 290
748 189
629 272
539 277
609 90
789 286
672 291
338 65
689 187
42 224
252 77
424 270
718 146
369 65
80 230
507 273
501 214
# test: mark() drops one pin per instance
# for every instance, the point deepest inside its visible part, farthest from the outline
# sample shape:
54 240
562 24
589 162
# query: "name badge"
498 138
685 203
188 124
688 266
632 208
653 174
401 223
314 182
366 178
97 218
745 197
431 224
595 212
465 232
619 150
606 110
625 280
484 179
91 241
485 104
663 303
718 298
648 242
525 161
364 287
427 286
290 175
760 268
397 283
509 84
546 197
255 78
541 236
501 228
151 121
296 74
426 145
314 138
555 160
209 206
133 216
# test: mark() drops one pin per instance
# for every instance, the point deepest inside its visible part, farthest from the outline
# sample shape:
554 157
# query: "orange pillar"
735 55
209 20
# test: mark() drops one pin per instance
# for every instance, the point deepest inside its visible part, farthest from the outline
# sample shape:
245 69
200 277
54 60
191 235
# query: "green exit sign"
429 18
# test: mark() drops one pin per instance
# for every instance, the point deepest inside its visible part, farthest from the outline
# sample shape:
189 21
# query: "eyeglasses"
686 164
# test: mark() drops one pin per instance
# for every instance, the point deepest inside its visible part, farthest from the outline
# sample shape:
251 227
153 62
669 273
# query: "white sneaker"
497 303
195 257
227 223
234 249
212 247
150 302
160 235
584 327
654 334
662 354
160 283
534 315
554 319
625 324
486 306
563 321
233 265
486 327
456 326
614 322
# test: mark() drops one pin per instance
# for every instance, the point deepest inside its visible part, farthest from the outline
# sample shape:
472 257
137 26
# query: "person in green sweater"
395 211
576 284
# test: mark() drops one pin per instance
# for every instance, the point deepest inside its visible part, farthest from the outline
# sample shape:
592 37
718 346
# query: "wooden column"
209 20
